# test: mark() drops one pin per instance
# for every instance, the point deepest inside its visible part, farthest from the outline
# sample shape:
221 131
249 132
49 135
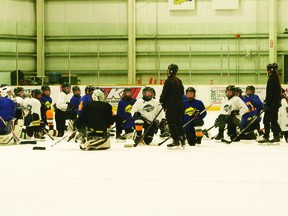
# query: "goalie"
93 122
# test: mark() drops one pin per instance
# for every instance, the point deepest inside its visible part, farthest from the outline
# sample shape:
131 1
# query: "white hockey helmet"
4 91
97 95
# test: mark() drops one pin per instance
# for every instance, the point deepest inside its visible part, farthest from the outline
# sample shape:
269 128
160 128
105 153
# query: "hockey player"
7 113
46 102
75 100
19 95
172 102
193 107
272 104
64 110
248 117
232 109
86 98
32 121
124 112
145 110
93 128
283 115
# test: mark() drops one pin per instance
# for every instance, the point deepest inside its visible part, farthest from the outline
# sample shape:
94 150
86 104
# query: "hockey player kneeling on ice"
126 121
93 122
145 110
193 107
7 113
232 109
283 114
252 115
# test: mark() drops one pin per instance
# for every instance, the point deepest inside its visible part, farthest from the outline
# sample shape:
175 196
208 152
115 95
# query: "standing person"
75 100
193 107
64 110
86 98
272 103
172 102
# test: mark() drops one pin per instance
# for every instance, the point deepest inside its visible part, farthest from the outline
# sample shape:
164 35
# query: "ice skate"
263 141
274 141
120 137
175 145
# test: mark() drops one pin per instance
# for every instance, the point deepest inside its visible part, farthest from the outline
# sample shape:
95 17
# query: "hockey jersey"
251 113
46 100
83 102
283 115
191 107
233 104
62 101
124 110
34 105
7 109
148 109
75 101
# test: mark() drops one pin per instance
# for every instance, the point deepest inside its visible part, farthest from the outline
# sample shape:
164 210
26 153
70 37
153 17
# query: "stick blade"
28 142
129 145
39 148
226 141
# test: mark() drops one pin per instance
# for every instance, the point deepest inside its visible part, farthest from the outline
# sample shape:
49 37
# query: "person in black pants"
172 101
272 104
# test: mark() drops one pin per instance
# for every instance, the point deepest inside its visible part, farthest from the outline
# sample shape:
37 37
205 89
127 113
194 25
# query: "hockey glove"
69 107
137 115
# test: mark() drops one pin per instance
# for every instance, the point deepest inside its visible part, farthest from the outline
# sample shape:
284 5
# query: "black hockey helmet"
231 88
190 89
35 92
252 88
75 88
89 89
17 90
272 67
127 90
45 87
173 69
66 85
146 89
239 90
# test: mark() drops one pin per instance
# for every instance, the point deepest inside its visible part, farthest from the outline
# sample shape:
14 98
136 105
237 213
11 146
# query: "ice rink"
214 179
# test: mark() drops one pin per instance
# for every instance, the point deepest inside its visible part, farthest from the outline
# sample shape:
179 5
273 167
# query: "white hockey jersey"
283 115
233 104
34 105
62 101
148 109
19 100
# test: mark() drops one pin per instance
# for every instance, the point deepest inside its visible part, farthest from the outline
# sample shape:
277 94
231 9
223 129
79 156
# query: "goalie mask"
4 91
98 95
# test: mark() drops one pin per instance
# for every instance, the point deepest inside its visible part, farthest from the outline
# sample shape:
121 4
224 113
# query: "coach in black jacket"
271 104
172 102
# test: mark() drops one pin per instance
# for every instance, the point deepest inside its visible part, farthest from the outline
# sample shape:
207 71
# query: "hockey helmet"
4 91
173 69
66 85
144 93
17 90
127 90
89 89
252 88
45 87
75 88
272 67
190 89
230 88
239 90
35 93
98 95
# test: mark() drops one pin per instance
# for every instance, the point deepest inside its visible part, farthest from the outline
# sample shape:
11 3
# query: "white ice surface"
214 179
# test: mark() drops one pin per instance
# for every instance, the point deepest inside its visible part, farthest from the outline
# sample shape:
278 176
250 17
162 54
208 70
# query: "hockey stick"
16 138
146 131
45 132
159 144
205 131
55 143
243 130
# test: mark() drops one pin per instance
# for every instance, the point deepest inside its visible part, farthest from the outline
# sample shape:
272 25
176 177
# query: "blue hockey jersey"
124 110
83 102
7 110
75 101
191 107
